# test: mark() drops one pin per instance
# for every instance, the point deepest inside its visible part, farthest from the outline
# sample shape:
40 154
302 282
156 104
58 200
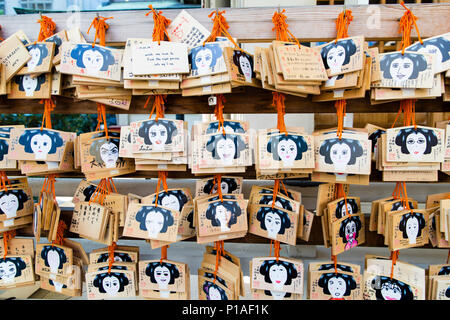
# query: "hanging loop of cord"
62 226
111 249
158 106
49 106
48 186
100 26
47 28
220 27
340 106
342 24
407 21
7 235
281 28
394 258
160 25
163 253
219 248
218 112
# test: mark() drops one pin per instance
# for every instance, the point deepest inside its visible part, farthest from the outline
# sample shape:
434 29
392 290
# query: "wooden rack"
249 25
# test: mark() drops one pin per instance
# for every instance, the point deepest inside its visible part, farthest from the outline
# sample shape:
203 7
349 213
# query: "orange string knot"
160 25
100 26
111 249
47 28
62 226
407 21
7 235
342 24
278 102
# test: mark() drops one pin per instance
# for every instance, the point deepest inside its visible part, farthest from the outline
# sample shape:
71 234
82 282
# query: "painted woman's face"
287 150
226 150
390 291
350 231
109 153
272 222
9 205
41 145
29 85
337 287
246 68
416 143
162 276
429 48
340 154
93 61
8 271
412 229
154 222
203 60
401 69
336 58
171 202
224 187
111 285
214 294
344 211
278 275
223 215
53 261
158 136
35 56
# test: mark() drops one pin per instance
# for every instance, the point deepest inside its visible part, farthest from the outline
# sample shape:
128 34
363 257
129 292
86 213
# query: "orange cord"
407 21
219 248
394 258
340 106
101 118
100 26
220 26
105 187
4 181
49 106
163 253
281 28
162 178
48 186
111 250
47 28
218 112
278 102
342 24
334 258
60 233
158 106
160 25
7 235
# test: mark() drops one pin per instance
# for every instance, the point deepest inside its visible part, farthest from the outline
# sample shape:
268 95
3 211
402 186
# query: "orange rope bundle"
47 29
60 233
158 106
163 253
111 250
334 258
408 107
394 258
105 187
342 24
4 181
218 112
281 28
49 186
49 106
7 235
278 183
340 193
100 26
407 21
278 102
219 248
160 25
220 27
162 178
276 249
340 106
101 118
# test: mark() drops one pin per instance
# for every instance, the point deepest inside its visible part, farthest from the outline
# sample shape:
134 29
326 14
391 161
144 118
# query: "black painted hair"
349 48
406 292
285 204
146 126
40 80
113 267
27 135
173 270
340 207
237 54
234 125
3 149
59 251
94 149
374 136
190 219
356 149
289 194
179 194
19 194
232 206
402 136
231 182
286 294
56 40
211 276
418 60
50 281
346 222
213 140
447 292
274 141
290 270
420 219
396 205
445 270
208 285
79 50
330 266
141 215
348 279
18 262
441 43
285 221
123 256
216 52
98 280
88 192
42 49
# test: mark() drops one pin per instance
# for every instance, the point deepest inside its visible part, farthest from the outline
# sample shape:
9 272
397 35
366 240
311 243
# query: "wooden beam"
308 23
244 100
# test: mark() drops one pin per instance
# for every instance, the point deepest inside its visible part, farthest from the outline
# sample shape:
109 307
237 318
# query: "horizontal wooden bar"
243 100
316 238
308 23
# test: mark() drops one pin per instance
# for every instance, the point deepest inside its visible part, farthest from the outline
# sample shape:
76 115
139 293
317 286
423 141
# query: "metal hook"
40 14
279 8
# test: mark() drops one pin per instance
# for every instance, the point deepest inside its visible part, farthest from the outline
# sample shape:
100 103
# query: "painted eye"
340 54
283 149
330 57
35 143
45 144
407 65
335 152
153 134
410 141
420 140
344 152
163 133
395 65
11 269
292 148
